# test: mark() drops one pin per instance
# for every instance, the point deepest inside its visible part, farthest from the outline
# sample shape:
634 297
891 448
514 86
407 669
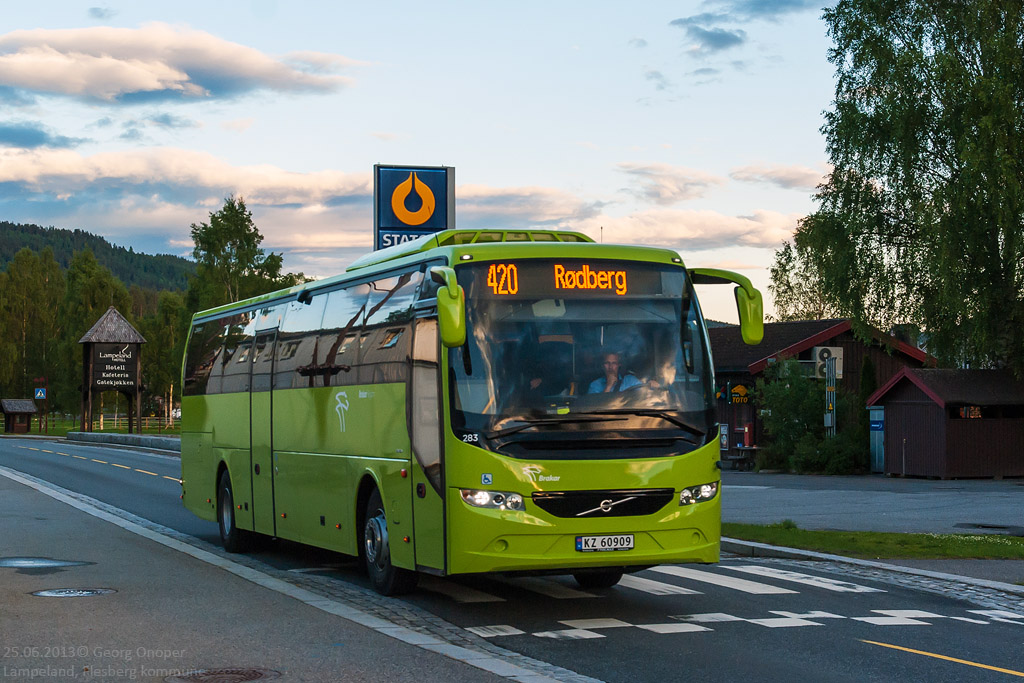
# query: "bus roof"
484 240
451 238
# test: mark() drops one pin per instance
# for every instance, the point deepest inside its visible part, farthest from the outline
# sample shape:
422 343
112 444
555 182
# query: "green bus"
467 402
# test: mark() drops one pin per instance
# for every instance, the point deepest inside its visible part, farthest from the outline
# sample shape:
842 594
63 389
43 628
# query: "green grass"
876 545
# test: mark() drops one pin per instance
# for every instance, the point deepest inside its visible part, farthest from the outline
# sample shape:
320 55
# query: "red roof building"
952 423
738 366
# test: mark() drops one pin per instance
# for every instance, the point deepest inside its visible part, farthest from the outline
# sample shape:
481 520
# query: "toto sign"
114 366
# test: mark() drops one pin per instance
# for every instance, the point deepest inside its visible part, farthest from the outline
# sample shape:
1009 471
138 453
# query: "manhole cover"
73 592
224 676
36 563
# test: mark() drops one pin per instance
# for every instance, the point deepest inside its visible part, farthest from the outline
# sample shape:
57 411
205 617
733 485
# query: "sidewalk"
169 613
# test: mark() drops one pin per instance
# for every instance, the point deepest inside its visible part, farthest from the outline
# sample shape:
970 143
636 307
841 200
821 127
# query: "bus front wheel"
601 579
233 539
386 578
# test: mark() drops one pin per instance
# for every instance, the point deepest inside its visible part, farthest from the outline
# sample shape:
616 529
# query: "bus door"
425 434
260 414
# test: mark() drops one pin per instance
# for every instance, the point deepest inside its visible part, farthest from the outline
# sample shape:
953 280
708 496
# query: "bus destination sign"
562 279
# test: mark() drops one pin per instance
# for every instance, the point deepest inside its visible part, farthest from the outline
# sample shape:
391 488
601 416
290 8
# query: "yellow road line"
948 659
154 474
123 467
46 451
172 479
102 462
32 449
66 455
79 457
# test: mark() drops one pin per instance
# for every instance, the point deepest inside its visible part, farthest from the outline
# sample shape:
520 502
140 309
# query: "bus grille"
600 504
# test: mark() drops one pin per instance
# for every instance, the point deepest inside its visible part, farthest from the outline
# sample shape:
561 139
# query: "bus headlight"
698 494
500 500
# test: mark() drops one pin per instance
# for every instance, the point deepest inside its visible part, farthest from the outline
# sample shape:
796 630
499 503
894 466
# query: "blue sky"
692 125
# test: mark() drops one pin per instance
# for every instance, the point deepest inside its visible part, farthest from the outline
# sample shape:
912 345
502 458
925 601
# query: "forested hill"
132 268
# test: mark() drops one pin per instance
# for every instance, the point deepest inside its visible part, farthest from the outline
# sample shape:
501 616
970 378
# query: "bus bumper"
483 540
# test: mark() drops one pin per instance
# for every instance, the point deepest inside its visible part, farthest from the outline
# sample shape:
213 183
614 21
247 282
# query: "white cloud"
693 230
175 172
665 184
238 125
480 206
157 60
787 177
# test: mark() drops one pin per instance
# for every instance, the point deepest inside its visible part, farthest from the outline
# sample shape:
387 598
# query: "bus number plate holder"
596 544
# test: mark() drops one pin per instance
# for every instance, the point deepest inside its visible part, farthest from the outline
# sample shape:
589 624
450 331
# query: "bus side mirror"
748 300
451 307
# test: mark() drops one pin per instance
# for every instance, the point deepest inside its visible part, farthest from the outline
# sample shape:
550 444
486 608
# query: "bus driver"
613 380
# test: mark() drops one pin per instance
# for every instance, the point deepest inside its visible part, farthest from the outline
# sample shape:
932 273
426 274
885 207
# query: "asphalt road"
766 620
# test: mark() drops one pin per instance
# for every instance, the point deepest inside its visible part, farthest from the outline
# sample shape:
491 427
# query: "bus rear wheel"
386 578
233 539
601 579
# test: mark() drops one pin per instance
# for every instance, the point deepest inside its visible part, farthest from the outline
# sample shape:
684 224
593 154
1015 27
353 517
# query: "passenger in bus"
548 371
613 379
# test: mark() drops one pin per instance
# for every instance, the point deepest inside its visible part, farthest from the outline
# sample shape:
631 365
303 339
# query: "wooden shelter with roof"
739 365
18 414
953 423
111 361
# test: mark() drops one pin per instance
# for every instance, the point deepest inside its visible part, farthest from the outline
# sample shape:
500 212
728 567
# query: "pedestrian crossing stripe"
559 590
586 629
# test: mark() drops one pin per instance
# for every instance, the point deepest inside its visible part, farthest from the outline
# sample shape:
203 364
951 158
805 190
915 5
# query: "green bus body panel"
487 540
319 465
263 480
215 430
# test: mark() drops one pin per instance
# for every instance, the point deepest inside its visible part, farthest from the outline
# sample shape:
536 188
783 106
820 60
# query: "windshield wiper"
648 412
547 421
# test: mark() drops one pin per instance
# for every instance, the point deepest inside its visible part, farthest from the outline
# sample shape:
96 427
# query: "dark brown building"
18 414
953 423
738 366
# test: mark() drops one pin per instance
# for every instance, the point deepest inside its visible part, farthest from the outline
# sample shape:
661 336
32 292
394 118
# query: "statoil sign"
411 201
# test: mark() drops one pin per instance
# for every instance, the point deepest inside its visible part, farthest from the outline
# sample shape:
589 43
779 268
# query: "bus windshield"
581 357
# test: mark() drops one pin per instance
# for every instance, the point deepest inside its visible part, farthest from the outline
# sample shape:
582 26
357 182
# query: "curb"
160 443
753 549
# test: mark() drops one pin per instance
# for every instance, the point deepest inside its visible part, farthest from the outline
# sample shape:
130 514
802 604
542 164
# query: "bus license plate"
594 544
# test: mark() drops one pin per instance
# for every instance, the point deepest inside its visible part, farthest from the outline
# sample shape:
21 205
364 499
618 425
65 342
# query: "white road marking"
673 628
709 618
724 581
783 622
547 587
999 615
570 634
899 617
595 623
494 631
809 615
456 591
733 487
654 587
797 577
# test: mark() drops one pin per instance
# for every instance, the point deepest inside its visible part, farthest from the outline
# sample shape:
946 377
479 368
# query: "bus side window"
387 329
263 346
338 346
297 344
204 349
234 366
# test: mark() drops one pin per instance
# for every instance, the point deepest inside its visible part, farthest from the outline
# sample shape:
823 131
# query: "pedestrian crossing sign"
41 393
